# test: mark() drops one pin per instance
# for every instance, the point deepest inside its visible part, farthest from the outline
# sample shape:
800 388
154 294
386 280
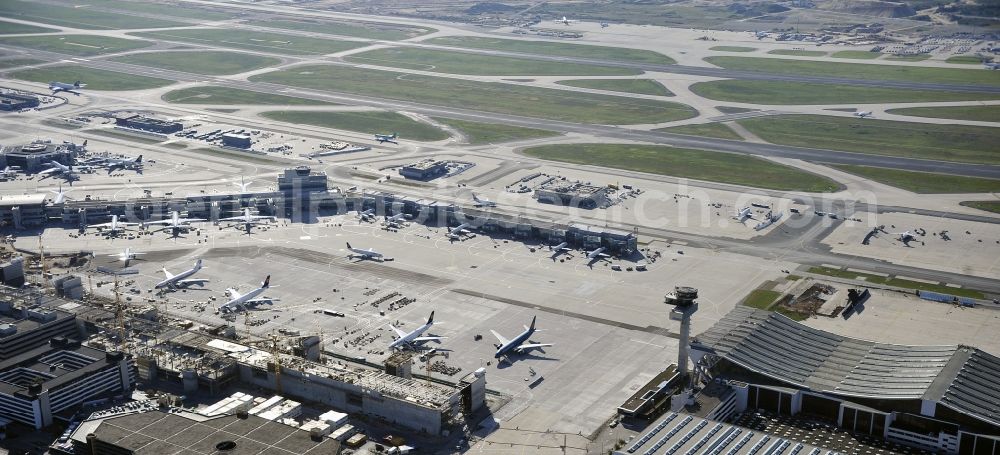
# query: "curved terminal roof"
773 345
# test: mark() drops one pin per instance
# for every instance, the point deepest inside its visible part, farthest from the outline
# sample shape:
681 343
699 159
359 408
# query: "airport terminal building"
938 398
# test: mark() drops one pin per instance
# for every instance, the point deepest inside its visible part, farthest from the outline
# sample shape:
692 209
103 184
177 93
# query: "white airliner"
458 231
243 185
382 138
60 195
57 87
559 249
396 220
239 301
67 172
126 255
114 164
366 215
364 254
565 21
114 226
743 214
175 222
598 254
249 220
413 339
180 280
482 202
9 172
863 114
519 344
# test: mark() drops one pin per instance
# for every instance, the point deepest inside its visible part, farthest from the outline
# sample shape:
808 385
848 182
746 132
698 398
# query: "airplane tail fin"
532 327
267 282
138 160
197 264
349 245
430 320
76 84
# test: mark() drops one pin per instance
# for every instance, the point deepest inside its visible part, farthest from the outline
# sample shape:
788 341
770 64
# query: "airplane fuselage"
513 344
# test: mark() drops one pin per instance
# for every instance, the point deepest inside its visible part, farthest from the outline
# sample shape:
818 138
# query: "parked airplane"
60 195
605 25
57 87
414 339
382 138
395 220
67 172
482 202
115 164
991 66
367 215
9 172
248 220
566 21
175 222
559 249
180 280
243 185
114 226
598 254
519 344
241 301
364 254
905 237
863 114
126 255
743 214
459 231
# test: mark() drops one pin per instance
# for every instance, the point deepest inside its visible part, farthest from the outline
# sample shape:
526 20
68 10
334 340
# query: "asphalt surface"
605 131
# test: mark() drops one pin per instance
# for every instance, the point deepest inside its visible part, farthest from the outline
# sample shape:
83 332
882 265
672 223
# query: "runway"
605 131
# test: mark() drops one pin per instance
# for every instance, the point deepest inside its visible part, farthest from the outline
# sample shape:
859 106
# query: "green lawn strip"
732 49
989 206
225 95
487 96
761 298
82 17
180 10
370 30
81 45
370 122
908 58
483 65
865 55
781 92
257 41
638 86
94 78
688 163
15 28
619 54
867 71
200 62
797 52
897 282
961 143
964 60
988 113
494 133
717 130
924 182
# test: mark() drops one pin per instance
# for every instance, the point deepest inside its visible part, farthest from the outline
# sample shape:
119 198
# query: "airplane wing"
527 346
419 339
193 281
261 300
500 337
49 170
159 222
190 220
102 225
168 274
232 218
233 293
400 333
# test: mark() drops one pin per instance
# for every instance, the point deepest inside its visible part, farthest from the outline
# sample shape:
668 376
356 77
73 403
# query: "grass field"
96 79
619 54
494 133
201 62
80 45
858 70
487 96
908 58
969 144
370 122
18 62
257 41
732 49
687 163
14 28
761 298
978 113
897 282
924 182
864 55
989 206
77 17
965 60
370 30
480 65
638 86
176 9
224 95
780 92
797 52
704 129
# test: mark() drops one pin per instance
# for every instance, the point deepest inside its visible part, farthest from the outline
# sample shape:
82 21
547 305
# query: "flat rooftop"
54 366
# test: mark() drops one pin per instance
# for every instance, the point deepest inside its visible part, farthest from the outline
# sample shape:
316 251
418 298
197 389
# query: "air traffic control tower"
683 300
